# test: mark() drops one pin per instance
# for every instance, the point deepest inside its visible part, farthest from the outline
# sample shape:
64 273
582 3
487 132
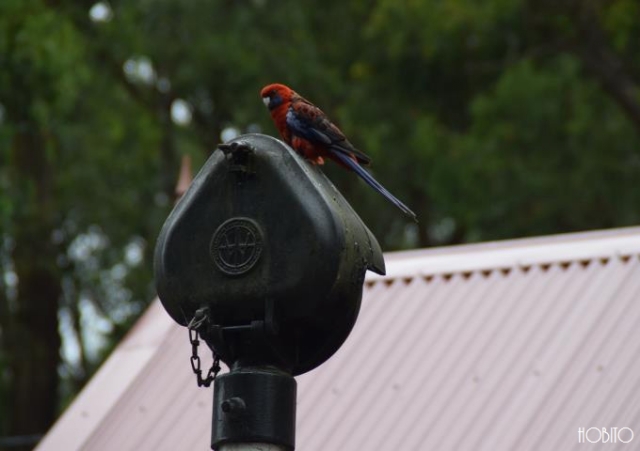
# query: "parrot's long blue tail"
373 183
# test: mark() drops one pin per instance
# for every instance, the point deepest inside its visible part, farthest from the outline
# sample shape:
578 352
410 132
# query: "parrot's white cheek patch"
266 101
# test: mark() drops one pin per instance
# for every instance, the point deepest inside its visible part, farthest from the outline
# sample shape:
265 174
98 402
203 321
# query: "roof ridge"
518 253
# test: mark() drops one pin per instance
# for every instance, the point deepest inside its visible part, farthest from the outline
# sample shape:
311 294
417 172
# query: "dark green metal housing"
271 250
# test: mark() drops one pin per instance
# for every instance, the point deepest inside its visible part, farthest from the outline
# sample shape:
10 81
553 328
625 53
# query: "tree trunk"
30 338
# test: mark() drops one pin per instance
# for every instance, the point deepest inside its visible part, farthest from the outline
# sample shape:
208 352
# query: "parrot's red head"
276 94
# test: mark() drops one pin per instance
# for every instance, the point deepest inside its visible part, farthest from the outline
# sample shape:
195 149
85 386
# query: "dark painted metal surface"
268 246
254 405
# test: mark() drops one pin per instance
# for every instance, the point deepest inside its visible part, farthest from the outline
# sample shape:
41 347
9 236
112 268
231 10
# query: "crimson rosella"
309 131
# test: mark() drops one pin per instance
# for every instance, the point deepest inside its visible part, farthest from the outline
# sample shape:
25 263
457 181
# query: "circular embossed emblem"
236 246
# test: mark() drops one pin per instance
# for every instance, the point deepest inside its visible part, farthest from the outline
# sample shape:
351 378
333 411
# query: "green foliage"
620 21
550 152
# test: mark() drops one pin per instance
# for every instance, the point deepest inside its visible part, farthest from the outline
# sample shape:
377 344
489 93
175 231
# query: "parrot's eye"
273 100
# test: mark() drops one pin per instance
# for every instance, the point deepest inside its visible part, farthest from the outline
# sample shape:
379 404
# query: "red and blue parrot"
309 132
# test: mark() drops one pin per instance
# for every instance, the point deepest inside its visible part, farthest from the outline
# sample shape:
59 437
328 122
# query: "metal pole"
251 447
254 408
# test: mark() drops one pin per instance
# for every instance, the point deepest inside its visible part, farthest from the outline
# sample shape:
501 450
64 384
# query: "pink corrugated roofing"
512 345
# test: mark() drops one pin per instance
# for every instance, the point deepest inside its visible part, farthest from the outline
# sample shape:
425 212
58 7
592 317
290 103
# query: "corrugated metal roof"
498 346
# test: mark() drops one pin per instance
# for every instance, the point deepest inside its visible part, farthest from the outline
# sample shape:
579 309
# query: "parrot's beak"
266 101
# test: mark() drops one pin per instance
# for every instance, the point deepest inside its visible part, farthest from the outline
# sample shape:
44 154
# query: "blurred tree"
70 166
491 119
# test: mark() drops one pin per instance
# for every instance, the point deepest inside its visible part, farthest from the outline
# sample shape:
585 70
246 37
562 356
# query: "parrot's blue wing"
309 122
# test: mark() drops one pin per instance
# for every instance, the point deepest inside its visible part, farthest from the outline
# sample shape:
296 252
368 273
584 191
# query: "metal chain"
199 318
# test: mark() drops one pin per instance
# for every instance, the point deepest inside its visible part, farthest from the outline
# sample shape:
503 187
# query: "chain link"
199 318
